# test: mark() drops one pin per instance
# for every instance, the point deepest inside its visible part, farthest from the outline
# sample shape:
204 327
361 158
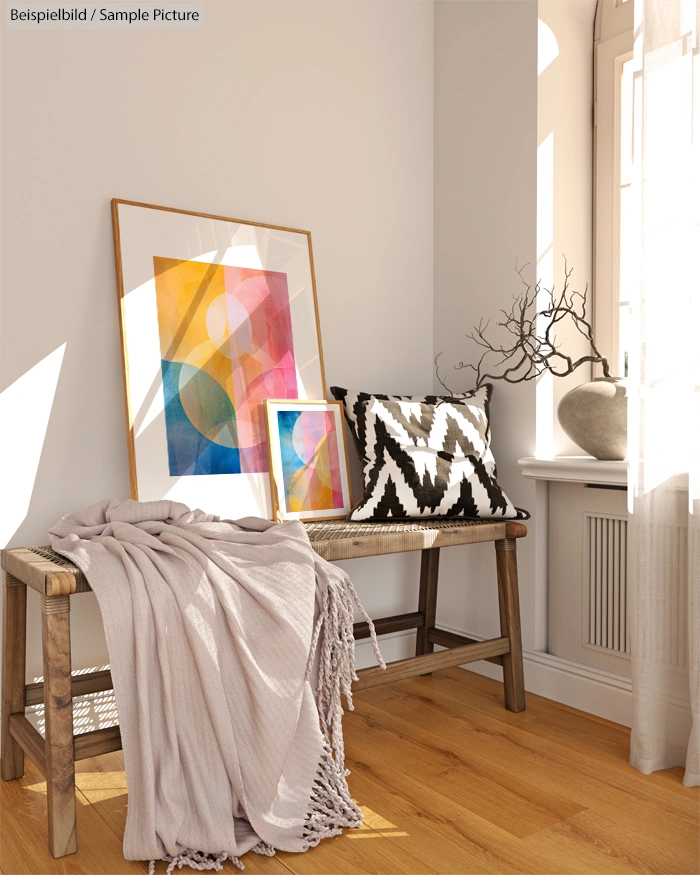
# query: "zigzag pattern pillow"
425 456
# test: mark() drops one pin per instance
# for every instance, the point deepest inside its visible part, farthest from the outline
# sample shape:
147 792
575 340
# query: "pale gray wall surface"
485 218
312 115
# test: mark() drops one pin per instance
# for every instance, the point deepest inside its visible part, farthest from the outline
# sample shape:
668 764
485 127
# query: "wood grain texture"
14 634
28 567
494 793
516 530
547 764
431 826
60 583
429 662
29 740
23 849
357 852
100 741
387 625
433 759
82 685
58 710
427 598
451 639
485 695
607 842
509 609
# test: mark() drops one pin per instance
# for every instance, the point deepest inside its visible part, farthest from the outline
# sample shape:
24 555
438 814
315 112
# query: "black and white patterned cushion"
426 456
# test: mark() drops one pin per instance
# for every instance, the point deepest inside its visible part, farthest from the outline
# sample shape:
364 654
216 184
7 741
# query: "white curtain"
664 411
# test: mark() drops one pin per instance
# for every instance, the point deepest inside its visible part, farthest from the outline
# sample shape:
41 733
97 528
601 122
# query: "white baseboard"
592 690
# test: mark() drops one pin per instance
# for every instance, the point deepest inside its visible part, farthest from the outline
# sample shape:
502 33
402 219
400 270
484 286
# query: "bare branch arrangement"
530 347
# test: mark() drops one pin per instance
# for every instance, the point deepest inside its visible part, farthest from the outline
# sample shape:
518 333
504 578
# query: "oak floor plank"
356 852
557 768
23 835
606 845
609 745
641 847
435 761
494 793
485 694
454 839
109 765
111 805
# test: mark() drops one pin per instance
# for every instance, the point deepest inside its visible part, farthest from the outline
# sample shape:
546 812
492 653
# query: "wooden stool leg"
427 598
509 604
60 763
14 658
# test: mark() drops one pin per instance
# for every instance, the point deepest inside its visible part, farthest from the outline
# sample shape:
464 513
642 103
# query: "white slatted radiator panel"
605 540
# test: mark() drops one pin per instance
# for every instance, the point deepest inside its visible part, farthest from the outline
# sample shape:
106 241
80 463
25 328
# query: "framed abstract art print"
216 316
308 460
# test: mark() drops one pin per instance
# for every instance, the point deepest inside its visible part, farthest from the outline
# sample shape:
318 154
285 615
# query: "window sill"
575 469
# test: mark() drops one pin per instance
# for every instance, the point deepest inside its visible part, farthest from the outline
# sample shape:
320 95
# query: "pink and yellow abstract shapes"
310 460
226 345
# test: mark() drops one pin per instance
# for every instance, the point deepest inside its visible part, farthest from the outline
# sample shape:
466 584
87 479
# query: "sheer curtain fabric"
664 413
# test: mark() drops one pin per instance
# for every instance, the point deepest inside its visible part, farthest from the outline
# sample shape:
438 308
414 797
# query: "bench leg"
509 605
58 699
14 658
427 598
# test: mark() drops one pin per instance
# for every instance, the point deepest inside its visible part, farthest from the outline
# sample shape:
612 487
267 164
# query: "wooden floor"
449 782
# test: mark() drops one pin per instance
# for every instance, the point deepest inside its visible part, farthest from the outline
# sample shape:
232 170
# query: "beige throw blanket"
211 635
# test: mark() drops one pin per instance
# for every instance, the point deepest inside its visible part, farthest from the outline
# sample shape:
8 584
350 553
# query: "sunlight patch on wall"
547 46
25 408
544 392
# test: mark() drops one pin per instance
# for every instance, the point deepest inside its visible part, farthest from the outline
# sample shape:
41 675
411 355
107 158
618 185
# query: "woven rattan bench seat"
52 575
344 540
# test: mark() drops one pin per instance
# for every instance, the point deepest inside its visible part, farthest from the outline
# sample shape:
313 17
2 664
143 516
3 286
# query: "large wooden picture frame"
216 315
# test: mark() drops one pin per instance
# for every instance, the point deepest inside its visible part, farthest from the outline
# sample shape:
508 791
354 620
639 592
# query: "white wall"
313 115
485 218
565 180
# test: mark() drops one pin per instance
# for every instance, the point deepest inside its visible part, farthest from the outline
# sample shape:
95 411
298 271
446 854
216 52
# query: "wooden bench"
56 580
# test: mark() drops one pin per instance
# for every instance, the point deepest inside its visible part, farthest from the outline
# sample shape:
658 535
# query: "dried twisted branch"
530 348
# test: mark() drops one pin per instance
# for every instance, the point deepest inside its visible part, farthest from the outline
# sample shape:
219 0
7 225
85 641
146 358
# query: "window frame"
613 44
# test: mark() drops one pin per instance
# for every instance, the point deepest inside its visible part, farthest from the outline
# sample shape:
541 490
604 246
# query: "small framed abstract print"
308 460
216 316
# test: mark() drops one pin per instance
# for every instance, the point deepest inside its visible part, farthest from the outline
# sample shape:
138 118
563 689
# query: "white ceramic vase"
594 415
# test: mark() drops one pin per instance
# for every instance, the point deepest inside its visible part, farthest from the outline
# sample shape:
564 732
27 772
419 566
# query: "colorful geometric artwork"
226 345
310 460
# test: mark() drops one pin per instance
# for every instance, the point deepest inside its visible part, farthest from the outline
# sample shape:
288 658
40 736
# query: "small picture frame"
309 477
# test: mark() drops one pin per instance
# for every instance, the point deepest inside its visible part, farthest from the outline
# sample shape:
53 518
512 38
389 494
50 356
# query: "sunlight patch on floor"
94 797
375 821
100 781
376 835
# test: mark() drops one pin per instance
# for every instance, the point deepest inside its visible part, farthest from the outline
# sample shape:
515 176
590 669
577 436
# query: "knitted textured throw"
214 646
